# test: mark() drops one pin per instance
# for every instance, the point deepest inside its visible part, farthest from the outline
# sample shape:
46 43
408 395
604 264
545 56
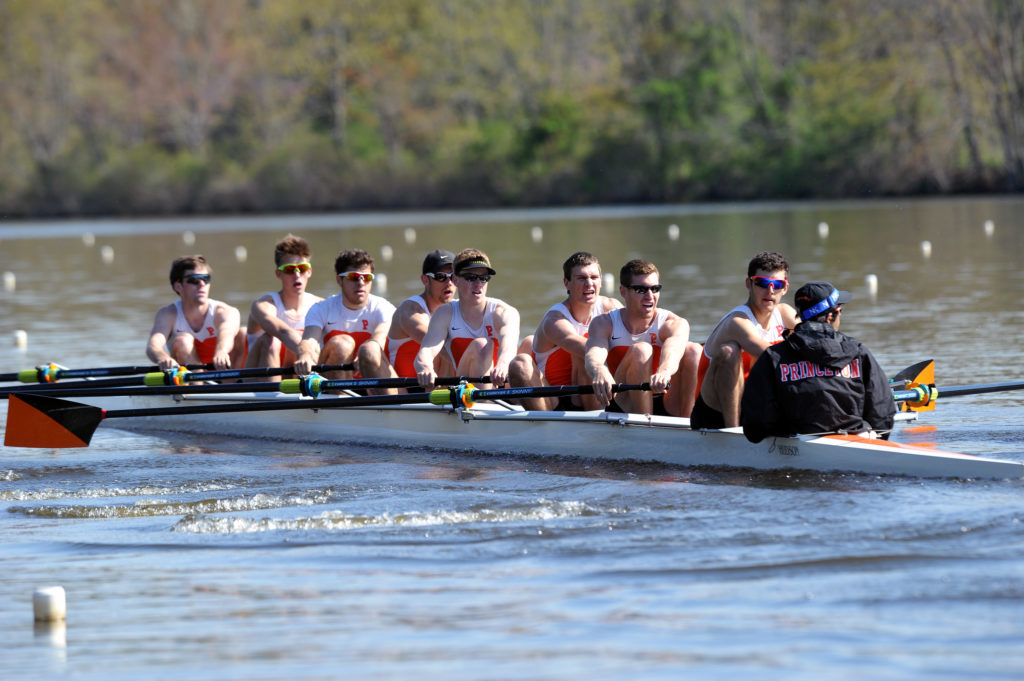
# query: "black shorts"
704 416
658 407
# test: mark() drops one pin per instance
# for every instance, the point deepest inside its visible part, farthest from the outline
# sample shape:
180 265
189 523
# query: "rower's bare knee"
522 371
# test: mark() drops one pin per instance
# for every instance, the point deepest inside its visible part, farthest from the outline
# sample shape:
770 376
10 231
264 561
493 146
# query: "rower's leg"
683 392
340 349
373 363
265 352
523 372
238 350
477 359
636 367
183 349
581 377
723 384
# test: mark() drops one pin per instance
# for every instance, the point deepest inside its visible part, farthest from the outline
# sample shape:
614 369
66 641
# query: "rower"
350 326
276 320
412 316
479 334
560 342
818 380
642 343
738 340
195 329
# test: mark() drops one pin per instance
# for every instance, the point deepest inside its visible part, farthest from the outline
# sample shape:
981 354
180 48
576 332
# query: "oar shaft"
980 388
36 375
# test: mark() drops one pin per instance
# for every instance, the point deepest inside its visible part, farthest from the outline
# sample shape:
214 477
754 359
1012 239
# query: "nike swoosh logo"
456 328
330 324
616 337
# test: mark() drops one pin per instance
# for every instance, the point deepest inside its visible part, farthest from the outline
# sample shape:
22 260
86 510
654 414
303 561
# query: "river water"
215 558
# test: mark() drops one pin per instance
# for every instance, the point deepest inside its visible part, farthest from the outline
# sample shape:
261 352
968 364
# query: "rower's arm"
562 333
227 320
264 314
163 327
596 358
430 347
675 334
412 320
309 350
506 323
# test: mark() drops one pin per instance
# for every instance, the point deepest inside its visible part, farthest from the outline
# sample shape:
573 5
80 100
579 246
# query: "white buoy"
609 283
410 235
926 249
49 604
386 253
380 282
990 228
189 237
673 232
536 234
872 283
21 339
107 254
241 253
89 239
10 281
823 230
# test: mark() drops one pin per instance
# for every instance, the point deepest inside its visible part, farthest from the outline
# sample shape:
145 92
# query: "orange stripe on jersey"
360 337
205 349
558 368
616 353
404 358
459 346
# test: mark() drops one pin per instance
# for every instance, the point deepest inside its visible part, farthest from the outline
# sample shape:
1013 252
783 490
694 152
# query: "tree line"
181 106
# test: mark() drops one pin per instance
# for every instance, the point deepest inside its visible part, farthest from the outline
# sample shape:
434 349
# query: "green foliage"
109 107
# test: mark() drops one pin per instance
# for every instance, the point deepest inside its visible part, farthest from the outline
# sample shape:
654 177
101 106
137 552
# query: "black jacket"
818 380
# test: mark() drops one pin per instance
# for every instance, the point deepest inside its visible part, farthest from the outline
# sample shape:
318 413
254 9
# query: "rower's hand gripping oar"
37 420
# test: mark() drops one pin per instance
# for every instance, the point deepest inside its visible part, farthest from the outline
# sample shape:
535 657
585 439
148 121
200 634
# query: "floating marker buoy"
673 232
49 604
536 234
823 230
872 283
10 281
386 253
241 253
990 228
107 254
609 283
88 239
21 339
410 235
926 249
189 237
381 280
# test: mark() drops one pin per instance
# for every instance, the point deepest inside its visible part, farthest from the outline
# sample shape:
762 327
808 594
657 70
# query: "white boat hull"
587 435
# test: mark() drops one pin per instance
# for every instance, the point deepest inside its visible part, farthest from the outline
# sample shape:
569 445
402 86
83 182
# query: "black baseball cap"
435 260
817 297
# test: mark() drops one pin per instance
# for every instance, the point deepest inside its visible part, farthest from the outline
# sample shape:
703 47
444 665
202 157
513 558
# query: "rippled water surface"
209 558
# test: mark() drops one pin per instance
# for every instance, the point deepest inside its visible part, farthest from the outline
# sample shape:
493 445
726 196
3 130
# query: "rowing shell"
503 429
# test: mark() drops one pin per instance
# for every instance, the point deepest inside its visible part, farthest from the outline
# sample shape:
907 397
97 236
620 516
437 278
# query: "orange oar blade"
39 421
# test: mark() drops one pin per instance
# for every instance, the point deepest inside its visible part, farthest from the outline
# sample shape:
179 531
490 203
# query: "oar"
35 420
178 376
310 386
960 390
51 373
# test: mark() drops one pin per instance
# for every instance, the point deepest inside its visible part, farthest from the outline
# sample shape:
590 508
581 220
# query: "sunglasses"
441 276
357 276
196 279
641 290
476 277
765 282
295 268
